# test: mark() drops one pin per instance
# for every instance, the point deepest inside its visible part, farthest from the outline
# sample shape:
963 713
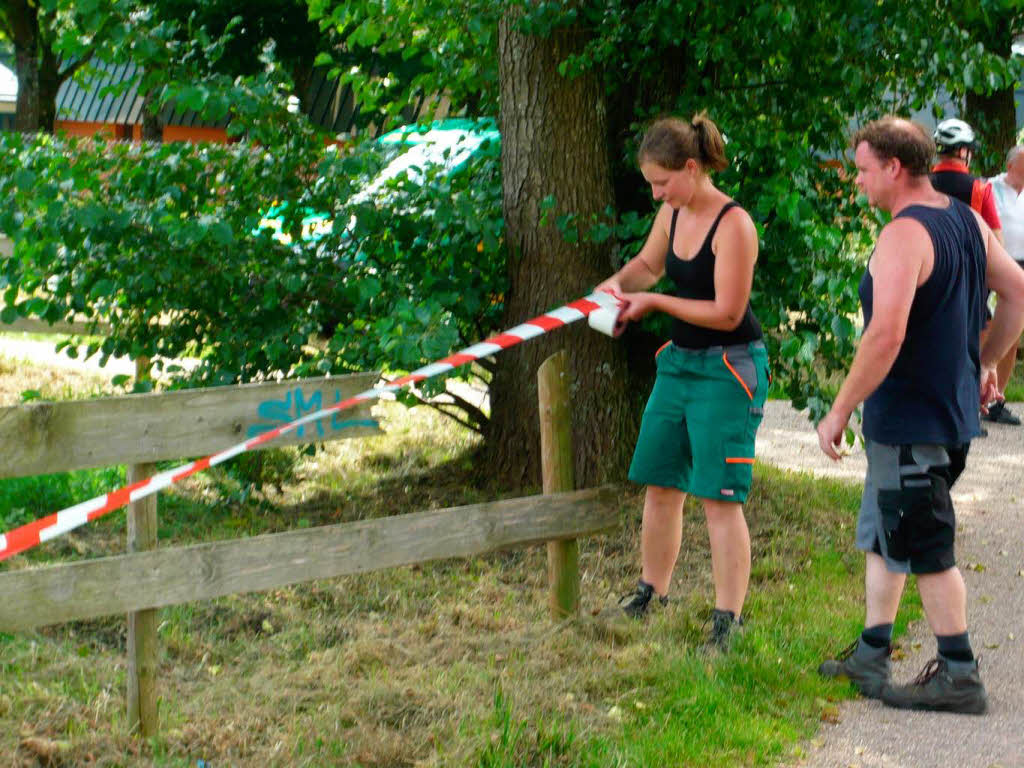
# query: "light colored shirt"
1011 213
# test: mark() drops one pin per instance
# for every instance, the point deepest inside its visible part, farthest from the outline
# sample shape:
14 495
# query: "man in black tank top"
921 374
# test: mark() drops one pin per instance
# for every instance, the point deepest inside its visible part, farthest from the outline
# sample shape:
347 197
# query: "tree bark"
994 114
23 19
152 127
37 68
554 142
995 117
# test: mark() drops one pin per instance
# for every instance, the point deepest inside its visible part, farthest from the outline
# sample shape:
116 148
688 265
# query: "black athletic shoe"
998 413
864 665
942 686
723 627
637 603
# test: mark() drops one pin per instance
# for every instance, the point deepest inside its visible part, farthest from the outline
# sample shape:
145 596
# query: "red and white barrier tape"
52 526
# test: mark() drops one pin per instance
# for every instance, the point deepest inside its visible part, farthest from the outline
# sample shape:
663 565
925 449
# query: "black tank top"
695 279
931 393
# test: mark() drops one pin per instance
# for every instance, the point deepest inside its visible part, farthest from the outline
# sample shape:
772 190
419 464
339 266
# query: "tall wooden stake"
557 471
142 640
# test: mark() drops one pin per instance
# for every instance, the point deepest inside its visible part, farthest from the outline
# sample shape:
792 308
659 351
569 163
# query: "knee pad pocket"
919 522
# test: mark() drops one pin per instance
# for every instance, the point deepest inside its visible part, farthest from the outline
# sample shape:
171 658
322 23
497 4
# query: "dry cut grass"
51 382
450 663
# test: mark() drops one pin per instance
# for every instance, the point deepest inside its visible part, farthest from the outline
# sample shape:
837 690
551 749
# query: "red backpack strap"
977 194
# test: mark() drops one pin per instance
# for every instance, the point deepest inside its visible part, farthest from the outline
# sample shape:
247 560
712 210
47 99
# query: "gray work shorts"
906 514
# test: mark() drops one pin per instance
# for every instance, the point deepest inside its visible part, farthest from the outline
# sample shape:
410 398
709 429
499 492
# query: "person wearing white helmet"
1007 188
955 143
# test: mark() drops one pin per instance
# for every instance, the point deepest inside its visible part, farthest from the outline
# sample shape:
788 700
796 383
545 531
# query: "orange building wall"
72 128
171 132
181 133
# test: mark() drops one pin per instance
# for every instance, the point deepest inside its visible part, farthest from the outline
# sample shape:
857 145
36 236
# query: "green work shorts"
698 429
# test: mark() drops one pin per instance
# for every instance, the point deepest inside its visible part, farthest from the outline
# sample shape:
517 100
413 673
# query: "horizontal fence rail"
40 438
35 597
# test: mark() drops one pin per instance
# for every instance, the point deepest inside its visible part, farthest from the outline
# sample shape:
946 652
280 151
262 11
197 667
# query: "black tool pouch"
903 511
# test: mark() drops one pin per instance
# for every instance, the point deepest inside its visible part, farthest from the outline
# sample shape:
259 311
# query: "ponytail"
710 142
670 142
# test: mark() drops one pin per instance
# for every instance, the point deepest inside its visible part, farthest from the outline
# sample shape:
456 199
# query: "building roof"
83 103
332 107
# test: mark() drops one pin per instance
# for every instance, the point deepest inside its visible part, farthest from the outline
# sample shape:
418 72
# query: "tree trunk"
152 127
49 83
302 77
24 22
37 70
994 115
554 142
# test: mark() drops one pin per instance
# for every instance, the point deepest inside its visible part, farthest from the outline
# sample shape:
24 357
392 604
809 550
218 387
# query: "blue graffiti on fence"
295 405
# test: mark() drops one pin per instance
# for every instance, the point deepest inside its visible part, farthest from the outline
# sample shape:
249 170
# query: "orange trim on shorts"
738 460
661 348
740 380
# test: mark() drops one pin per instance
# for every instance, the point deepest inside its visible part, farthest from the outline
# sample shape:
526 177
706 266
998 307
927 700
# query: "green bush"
163 243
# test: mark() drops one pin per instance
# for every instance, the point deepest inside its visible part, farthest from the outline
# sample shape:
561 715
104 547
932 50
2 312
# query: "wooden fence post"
557 471
142 639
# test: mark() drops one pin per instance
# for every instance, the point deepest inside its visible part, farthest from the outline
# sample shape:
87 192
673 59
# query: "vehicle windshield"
406 152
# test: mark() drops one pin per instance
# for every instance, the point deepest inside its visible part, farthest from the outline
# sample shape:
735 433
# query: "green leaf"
102 288
24 179
222 233
791 346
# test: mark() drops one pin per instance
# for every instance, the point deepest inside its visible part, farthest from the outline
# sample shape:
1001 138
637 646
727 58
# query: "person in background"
1007 188
955 144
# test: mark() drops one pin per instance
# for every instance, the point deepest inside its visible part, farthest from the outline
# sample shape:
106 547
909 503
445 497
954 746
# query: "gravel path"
990 553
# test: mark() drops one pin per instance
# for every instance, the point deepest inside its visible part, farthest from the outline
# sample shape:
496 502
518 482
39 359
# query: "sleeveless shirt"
695 279
931 394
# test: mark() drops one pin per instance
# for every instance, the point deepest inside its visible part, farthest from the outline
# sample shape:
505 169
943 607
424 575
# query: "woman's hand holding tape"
609 318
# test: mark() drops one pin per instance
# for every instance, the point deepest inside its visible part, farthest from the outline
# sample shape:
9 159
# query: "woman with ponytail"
698 428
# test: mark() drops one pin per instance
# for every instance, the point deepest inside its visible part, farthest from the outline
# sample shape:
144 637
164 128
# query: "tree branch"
69 72
487 364
439 407
753 86
460 402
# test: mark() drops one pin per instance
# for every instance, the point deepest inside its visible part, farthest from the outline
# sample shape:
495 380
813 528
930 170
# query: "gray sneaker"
943 686
864 665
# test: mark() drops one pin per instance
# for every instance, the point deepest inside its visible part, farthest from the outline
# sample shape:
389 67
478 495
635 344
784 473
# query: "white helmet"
951 134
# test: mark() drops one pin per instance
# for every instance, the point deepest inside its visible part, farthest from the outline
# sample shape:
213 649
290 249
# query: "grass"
1014 389
453 663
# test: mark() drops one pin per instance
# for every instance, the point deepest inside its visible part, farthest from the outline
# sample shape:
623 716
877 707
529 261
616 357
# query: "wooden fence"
133 582
49 437
138 430
41 437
